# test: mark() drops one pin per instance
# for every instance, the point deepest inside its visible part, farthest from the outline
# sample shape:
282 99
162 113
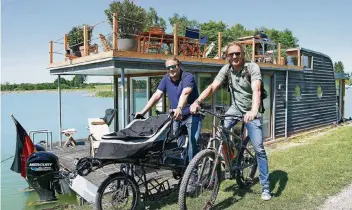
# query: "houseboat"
300 82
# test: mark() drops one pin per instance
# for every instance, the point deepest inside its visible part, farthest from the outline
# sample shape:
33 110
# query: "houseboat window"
319 92
154 82
203 81
139 93
298 92
307 61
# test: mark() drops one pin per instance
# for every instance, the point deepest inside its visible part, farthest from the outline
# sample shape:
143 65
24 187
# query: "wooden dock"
67 155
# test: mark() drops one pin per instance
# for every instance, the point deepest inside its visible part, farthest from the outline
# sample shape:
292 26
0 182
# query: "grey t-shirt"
242 89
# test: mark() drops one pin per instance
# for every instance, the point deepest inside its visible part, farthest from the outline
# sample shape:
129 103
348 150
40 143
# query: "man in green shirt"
246 83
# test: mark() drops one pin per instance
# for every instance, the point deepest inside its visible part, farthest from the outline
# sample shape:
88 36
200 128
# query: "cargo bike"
144 144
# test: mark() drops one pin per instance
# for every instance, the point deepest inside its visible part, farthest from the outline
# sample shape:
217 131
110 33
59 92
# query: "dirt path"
342 200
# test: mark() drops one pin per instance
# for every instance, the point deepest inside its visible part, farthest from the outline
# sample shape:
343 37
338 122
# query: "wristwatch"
179 108
198 102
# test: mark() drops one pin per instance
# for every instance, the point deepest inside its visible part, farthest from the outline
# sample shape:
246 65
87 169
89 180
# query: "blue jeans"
194 125
254 129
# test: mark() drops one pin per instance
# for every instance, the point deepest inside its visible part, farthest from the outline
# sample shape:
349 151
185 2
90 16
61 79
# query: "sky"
27 26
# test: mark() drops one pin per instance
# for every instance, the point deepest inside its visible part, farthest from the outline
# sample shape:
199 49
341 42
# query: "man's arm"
209 91
255 84
155 98
184 96
256 95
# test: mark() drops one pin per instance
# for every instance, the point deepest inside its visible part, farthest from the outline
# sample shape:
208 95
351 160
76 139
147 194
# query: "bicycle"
221 155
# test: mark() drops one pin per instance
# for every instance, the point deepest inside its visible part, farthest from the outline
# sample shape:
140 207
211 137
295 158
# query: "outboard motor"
43 174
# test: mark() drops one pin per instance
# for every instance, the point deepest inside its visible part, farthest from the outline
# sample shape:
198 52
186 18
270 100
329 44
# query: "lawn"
303 173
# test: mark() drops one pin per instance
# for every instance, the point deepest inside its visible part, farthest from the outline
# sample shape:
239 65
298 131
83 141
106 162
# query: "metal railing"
45 131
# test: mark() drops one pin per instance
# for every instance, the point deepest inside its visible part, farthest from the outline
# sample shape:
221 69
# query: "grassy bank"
303 173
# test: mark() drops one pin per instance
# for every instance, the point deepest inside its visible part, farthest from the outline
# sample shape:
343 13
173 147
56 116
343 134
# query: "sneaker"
266 195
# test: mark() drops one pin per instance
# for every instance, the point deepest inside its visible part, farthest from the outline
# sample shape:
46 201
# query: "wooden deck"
147 57
67 155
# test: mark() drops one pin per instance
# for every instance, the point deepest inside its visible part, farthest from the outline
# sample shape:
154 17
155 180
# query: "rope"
58 53
59 39
75 45
7 158
99 23
58 42
129 34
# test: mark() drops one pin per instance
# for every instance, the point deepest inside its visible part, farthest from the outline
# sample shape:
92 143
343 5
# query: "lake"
39 110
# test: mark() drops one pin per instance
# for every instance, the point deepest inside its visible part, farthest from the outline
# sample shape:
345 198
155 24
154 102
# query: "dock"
67 155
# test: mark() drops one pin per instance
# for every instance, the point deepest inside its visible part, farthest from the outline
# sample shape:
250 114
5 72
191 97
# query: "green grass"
301 177
303 173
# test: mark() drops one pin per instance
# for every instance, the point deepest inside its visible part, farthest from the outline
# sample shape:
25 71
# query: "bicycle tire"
113 177
239 179
182 191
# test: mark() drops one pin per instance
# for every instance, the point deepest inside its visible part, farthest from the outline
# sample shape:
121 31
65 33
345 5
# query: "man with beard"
246 100
182 91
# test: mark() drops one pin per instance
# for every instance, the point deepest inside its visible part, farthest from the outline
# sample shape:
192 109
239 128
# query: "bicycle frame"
223 145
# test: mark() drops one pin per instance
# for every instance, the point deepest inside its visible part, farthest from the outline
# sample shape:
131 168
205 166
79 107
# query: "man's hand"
194 107
250 116
177 114
138 113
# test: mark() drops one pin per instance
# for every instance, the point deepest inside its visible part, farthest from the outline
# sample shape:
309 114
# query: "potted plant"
131 22
75 39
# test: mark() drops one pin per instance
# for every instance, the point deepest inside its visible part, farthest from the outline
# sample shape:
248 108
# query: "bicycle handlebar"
218 115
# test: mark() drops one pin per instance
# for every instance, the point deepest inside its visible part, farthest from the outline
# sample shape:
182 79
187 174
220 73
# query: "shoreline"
48 90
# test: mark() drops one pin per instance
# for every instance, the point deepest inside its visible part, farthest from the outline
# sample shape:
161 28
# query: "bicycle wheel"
196 182
115 192
247 163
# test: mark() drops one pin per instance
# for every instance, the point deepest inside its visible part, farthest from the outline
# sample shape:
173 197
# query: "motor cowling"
42 174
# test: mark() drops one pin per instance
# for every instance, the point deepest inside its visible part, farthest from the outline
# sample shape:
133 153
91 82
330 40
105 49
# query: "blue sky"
28 25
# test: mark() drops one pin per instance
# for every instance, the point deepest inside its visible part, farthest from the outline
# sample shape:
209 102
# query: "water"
40 111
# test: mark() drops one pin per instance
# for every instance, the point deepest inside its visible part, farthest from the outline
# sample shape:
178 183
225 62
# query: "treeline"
77 82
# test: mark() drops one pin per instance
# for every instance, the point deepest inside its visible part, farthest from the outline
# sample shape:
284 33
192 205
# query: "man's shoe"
266 195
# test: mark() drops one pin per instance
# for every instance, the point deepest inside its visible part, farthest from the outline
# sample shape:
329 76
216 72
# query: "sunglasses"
234 53
171 67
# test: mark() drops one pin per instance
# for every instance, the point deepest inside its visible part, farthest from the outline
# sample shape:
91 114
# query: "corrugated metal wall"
280 103
308 111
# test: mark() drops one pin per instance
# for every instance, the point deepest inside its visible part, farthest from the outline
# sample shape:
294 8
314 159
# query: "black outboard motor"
42 173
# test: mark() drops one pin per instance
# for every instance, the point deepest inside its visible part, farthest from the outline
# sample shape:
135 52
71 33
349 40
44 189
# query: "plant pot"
127 45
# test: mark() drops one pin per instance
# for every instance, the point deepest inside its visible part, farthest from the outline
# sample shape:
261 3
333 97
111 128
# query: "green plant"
75 37
131 18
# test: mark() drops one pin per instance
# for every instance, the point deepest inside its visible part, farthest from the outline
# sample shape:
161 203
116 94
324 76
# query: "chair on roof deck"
192 42
155 39
105 44
98 127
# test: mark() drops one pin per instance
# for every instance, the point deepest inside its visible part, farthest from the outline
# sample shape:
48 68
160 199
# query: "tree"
131 18
75 37
153 20
79 80
62 81
338 67
182 23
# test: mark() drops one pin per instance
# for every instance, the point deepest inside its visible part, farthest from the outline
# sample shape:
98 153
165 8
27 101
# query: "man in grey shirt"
245 101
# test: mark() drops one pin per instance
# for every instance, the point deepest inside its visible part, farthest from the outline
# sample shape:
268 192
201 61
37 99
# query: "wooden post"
219 44
85 35
299 57
65 43
278 53
115 27
175 40
253 49
51 51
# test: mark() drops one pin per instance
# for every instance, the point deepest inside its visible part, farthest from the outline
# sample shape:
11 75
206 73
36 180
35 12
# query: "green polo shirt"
242 90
